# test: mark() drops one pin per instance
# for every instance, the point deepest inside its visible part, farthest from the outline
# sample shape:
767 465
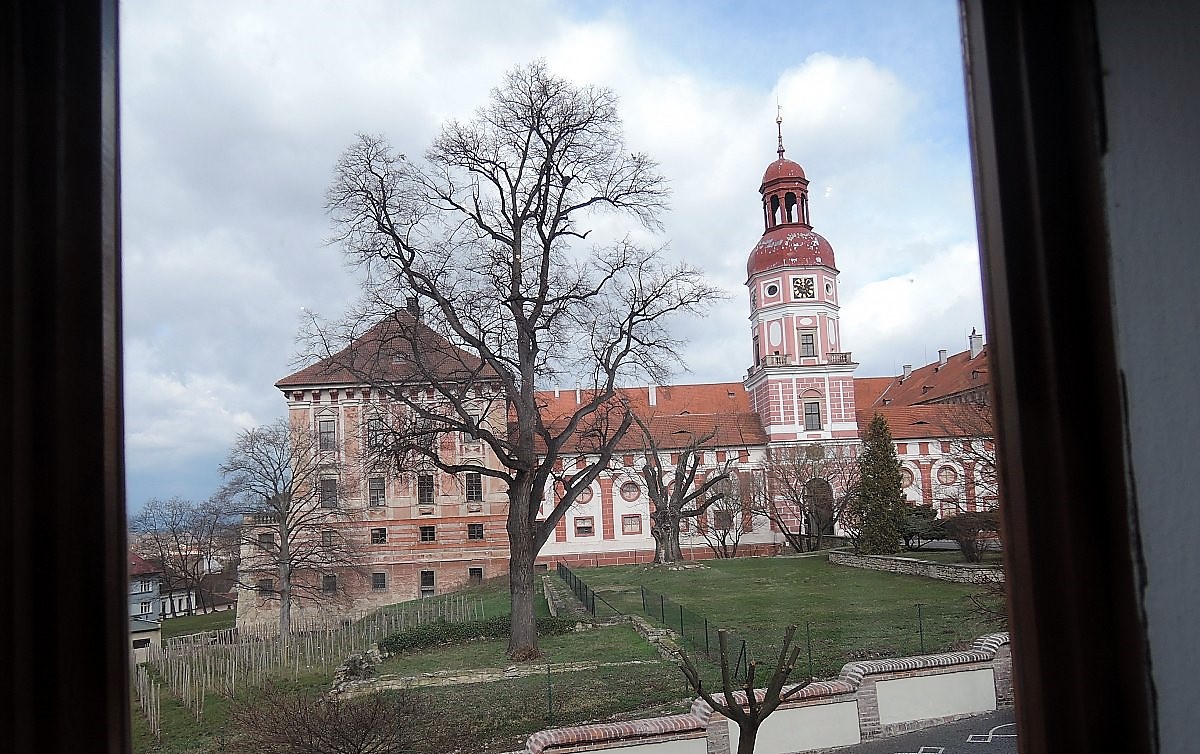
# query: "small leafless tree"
731 515
480 292
187 540
677 494
747 706
286 488
969 430
276 721
807 489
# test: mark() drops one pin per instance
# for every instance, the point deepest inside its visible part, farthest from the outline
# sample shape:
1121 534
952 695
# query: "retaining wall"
867 700
915 567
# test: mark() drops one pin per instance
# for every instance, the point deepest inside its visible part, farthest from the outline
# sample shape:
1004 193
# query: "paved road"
991 733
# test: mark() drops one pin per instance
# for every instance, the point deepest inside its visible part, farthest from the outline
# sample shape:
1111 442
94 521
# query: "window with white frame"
376 491
425 489
328 493
808 343
474 485
812 415
326 435
631 524
584 526
379 535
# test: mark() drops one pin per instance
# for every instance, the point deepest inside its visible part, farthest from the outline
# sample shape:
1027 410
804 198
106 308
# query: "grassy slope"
851 613
190 624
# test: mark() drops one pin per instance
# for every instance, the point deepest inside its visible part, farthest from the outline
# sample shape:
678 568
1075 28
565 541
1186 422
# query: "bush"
967 529
444 632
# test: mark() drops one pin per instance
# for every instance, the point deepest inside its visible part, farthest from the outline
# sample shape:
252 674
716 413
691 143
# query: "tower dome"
788 239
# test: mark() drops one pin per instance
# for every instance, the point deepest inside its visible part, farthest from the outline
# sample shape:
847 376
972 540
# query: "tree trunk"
746 738
522 640
672 552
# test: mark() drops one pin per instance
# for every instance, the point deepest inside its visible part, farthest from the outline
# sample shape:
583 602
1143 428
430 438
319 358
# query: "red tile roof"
139 566
679 413
385 353
929 384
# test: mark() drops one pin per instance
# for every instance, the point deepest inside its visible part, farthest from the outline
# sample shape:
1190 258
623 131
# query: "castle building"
423 532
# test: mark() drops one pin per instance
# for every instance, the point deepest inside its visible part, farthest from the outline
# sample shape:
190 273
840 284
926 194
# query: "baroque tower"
801 382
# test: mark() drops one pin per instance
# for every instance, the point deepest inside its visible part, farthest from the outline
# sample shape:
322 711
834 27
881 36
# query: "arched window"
789 203
775 213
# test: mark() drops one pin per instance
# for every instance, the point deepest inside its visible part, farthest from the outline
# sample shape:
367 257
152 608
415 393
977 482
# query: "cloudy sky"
233 114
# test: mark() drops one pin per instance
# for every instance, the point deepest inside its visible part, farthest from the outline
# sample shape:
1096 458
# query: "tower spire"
779 128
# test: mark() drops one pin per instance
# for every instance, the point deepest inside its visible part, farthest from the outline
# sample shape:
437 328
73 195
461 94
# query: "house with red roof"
425 531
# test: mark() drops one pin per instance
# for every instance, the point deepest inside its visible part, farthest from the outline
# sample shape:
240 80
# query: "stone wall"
964 574
867 700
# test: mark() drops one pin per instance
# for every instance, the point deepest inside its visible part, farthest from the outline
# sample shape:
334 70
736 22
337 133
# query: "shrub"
968 528
443 632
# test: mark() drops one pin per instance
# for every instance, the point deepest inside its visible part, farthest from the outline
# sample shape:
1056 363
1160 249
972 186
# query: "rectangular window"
376 434
329 493
266 540
474 575
474 487
379 536
379 580
375 491
329 582
808 344
144 608
326 435
722 520
427 584
327 536
812 415
141 643
266 586
428 533
474 531
425 489
143 585
584 527
631 524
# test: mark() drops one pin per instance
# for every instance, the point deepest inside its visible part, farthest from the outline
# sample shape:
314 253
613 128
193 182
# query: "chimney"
907 372
411 306
976 341
653 395
941 357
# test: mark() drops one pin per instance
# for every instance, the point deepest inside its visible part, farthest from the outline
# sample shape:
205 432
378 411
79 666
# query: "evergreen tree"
879 506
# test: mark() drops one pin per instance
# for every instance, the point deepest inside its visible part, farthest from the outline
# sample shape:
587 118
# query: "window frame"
427 533
426 488
808 344
812 426
327 492
473 486
329 583
591 526
326 437
378 535
375 580
376 498
472 528
626 518
430 589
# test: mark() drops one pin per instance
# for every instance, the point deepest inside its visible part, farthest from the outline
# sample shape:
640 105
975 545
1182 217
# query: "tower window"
812 415
808 344
326 435
793 212
776 215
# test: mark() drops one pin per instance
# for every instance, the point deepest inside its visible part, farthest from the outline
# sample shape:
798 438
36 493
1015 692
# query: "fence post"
921 626
549 697
643 599
662 609
808 631
707 650
681 633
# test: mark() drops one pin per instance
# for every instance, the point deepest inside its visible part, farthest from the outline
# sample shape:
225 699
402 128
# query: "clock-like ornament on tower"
803 288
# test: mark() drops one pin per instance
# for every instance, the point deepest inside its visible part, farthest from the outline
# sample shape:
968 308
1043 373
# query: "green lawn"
842 613
191 624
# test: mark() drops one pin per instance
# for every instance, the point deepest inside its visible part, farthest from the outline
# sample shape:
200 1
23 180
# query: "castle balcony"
840 357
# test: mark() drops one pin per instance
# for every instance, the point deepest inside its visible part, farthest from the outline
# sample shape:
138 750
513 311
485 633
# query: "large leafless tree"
188 540
491 236
807 488
290 493
677 487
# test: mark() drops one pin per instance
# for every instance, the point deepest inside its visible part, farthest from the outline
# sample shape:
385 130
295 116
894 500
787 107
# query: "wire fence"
592 602
825 646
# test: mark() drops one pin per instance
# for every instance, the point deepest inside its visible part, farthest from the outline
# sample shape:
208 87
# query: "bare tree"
747 706
288 492
678 494
278 722
807 489
186 539
482 238
731 515
969 430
